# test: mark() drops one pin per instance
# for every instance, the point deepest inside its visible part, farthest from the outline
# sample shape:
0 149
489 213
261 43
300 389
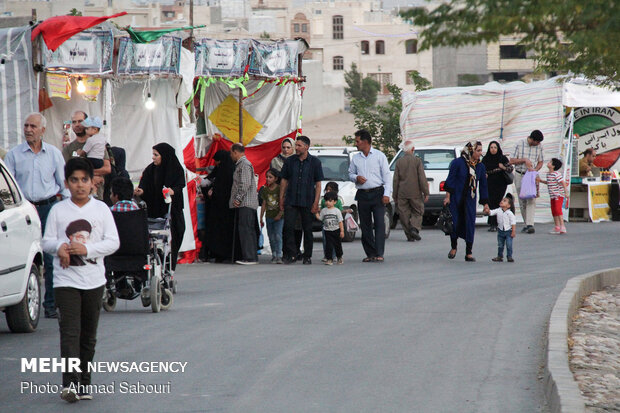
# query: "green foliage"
74 12
383 121
265 35
361 88
574 36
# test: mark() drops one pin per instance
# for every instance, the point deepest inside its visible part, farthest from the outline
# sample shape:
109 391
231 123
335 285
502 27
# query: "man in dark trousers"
300 191
243 197
370 171
410 191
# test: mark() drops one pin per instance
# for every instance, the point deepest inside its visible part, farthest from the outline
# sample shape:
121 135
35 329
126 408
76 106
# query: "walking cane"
234 240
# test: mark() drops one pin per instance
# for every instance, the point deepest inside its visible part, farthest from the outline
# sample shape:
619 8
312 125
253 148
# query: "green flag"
148 36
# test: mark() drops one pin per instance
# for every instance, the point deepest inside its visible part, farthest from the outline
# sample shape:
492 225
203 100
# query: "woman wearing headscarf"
466 177
220 220
287 148
165 171
495 163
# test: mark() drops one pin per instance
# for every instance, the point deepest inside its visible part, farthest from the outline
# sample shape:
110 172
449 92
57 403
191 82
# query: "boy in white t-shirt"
506 228
79 233
333 228
94 148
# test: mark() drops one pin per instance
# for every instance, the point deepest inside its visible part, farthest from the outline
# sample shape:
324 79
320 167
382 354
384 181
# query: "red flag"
57 29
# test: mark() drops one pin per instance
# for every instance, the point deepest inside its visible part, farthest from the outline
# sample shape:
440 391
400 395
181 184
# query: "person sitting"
94 148
121 192
586 164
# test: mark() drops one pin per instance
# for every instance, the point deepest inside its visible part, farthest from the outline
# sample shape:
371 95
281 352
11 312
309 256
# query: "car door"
15 236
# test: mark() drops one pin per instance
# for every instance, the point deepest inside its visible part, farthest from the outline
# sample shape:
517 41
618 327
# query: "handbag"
444 222
509 177
528 185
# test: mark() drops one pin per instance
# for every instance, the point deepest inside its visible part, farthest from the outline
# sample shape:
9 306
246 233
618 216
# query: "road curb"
561 389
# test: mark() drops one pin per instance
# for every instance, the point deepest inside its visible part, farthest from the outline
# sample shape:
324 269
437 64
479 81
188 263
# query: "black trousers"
332 242
468 245
246 231
290 216
371 208
78 317
177 230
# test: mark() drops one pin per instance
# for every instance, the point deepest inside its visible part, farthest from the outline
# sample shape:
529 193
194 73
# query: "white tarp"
276 108
453 116
581 93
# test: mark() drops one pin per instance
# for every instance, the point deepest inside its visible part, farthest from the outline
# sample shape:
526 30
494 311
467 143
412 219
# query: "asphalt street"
418 333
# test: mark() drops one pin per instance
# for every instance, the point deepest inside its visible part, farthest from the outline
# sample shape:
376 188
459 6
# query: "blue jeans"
274 230
48 300
503 237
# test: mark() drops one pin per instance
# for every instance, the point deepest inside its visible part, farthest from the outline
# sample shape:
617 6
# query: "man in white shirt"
370 171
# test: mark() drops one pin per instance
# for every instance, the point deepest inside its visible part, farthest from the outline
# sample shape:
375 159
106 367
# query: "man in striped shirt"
527 156
244 198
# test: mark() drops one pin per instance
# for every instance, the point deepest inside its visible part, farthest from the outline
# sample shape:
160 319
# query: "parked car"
436 161
335 161
21 258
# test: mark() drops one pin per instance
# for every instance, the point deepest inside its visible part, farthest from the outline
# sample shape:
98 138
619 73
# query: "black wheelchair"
141 266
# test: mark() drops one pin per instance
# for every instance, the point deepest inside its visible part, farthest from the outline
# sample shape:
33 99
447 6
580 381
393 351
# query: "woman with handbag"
466 177
498 177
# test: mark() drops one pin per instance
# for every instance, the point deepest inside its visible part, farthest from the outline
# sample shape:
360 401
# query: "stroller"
141 266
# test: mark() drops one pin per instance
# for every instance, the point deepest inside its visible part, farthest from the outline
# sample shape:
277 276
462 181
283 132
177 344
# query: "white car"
436 161
335 161
21 258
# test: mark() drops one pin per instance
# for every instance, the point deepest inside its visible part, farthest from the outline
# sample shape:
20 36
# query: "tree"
359 87
74 12
574 36
383 121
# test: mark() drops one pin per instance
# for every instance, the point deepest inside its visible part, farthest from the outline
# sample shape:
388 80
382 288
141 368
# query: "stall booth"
139 90
592 121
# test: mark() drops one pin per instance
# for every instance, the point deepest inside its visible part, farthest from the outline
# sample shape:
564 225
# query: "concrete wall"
449 63
320 99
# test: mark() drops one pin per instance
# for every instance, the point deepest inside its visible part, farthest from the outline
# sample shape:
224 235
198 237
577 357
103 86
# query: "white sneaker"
563 231
69 395
555 232
329 262
244 262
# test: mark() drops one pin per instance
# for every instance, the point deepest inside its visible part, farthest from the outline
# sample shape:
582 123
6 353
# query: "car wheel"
23 317
387 216
429 220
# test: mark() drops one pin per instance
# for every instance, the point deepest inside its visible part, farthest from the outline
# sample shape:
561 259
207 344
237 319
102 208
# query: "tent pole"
240 117
501 129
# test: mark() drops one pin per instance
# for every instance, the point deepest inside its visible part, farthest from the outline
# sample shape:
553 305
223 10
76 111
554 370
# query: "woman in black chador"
496 163
165 171
220 218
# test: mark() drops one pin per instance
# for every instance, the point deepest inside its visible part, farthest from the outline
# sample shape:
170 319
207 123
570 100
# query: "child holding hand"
506 228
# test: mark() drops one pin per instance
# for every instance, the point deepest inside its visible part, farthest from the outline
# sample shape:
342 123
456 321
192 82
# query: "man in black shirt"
300 191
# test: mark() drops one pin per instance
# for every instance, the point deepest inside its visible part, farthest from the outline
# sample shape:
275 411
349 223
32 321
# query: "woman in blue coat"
467 175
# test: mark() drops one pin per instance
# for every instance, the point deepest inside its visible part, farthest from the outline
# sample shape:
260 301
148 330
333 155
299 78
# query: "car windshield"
335 167
434 159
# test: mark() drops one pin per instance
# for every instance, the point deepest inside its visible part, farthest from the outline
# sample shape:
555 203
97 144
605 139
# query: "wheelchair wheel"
109 301
166 299
155 293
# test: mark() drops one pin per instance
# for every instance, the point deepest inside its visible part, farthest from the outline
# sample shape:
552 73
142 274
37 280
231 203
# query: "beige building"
508 61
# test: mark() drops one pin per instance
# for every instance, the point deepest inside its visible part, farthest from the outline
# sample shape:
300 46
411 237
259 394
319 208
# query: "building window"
338 27
379 47
338 63
296 27
365 47
304 27
384 79
411 46
318 11
512 52
505 76
408 78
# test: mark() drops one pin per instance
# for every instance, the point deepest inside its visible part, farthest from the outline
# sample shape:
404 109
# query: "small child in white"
333 227
506 228
94 148
557 192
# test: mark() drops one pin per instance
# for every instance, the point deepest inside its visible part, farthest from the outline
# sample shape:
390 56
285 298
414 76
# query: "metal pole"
240 117
191 21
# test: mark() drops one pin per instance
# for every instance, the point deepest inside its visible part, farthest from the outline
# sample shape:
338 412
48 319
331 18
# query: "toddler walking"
333 228
557 192
506 228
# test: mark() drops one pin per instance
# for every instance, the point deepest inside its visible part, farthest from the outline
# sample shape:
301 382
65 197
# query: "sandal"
379 259
368 259
469 258
451 254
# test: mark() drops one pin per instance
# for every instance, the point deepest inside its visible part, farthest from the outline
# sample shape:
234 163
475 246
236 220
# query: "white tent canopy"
581 93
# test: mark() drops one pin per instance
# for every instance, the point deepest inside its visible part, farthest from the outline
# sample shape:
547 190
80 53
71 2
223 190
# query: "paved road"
419 333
